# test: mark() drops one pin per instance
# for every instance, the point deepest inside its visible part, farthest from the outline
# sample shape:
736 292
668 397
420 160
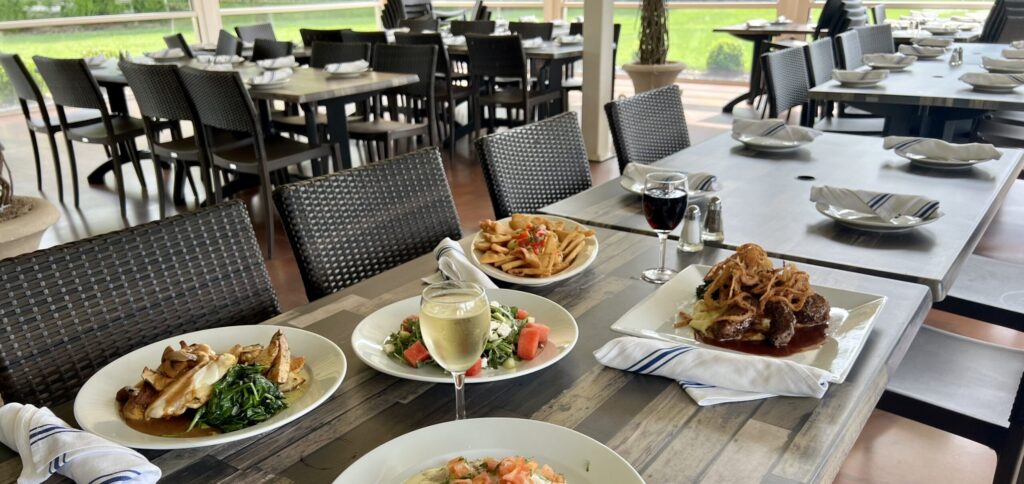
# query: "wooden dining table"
765 198
648 420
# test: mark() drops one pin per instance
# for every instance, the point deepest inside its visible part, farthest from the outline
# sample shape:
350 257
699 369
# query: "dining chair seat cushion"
964 375
280 152
874 126
382 126
75 117
125 127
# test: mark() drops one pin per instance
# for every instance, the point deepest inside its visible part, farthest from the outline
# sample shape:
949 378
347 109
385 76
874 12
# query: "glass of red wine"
664 205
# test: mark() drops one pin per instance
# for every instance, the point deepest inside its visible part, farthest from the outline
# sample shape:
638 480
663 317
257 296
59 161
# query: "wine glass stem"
663 239
460 395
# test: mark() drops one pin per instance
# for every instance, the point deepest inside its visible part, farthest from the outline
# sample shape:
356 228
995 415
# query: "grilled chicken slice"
192 389
135 400
281 367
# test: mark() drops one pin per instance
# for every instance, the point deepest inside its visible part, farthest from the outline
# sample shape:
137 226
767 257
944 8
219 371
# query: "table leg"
337 130
755 75
312 134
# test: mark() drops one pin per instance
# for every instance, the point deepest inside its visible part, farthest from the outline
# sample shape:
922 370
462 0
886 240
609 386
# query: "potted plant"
23 220
653 70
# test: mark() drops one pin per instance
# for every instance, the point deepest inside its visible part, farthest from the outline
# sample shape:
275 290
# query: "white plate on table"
937 164
637 187
853 314
347 75
1003 70
369 336
872 222
770 145
96 409
269 84
580 459
582 261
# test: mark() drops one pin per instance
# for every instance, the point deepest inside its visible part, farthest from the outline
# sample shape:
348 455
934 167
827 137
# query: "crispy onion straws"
743 284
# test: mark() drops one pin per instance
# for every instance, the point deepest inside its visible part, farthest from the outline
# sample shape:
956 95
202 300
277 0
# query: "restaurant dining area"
511 241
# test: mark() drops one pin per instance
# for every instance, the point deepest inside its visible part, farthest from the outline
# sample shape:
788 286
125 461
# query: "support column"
553 10
208 21
597 76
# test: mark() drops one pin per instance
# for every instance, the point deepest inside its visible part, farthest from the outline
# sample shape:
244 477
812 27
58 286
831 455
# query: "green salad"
244 397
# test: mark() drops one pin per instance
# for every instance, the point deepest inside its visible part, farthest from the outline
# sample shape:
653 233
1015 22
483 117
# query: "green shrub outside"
726 57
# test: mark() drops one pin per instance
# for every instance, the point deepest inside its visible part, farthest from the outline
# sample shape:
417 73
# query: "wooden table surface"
765 202
649 420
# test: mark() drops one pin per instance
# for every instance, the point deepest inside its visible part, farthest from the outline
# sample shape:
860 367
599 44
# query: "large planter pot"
652 76
23 233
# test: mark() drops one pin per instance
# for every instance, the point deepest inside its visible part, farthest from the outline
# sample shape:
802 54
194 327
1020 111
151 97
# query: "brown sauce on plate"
171 427
804 339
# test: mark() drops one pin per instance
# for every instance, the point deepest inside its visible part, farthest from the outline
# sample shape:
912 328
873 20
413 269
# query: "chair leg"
451 129
133 155
39 167
160 189
119 152
74 166
218 188
56 165
178 192
268 210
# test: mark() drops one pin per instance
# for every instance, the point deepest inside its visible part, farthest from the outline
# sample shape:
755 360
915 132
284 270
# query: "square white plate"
850 321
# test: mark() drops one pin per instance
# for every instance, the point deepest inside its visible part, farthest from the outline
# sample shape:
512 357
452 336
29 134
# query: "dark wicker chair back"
228 44
576 28
177 41
67 311
496 55
534 165
531 30
408 59
221 100
848 50
249 33
372 38
443 61
463 27
270 49
309 36
878 12
25 87
820 61
1010 30
876 39
648 126
786 74
158 90
351 225
419 24
324 53
70 82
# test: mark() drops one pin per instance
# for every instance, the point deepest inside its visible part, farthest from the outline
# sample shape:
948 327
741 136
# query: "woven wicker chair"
532 166
309 36
372 38
67 311
848 50
648 126
228 44
819 64
463 27
876 39
177 41
418 25
532 30
249 33
347 226
270 49
27 92
878 14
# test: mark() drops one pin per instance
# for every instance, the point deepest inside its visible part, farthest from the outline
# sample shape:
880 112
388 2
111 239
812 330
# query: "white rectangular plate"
853 314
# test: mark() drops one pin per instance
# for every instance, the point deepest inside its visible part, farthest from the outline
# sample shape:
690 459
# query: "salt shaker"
690 239
713 225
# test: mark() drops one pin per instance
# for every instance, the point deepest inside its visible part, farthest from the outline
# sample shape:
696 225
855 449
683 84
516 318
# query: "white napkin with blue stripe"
170 53
453 265
48 445
712 376
347 67
277 62
773 131
887 206
271 77
694 181
936 149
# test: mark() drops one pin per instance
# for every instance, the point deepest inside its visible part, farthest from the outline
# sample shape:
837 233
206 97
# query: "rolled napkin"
695 181
711 376
887 206
219 59
347 67
171 53
452 265
859 77
531 43
48 445
271 77
985 80
757 23
277 62
933 41
528 18
772 131
1013 53
936 149
992 64
921 50
455 40
96 60
571 39
888 61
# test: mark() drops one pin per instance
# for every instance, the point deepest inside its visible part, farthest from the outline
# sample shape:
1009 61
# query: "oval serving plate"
582 261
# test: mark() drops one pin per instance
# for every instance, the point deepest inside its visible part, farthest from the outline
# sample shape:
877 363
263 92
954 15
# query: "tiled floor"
890 449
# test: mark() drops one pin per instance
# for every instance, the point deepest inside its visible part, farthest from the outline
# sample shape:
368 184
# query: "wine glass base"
657 276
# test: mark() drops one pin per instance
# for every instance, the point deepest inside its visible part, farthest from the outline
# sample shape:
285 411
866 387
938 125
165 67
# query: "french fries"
530 246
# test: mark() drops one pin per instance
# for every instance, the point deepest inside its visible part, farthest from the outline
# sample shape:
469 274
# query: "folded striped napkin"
455 40
453 265
171 53
347 67
50 446
933 41
773 131
989 80
887 206
571 39
531 43
1015 65
859 76
712 376
277 62
938 150
921 50
888 60
271 77
695 181
219 59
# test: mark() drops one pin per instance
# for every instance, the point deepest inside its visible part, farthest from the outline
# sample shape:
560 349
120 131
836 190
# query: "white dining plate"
762 143
637 187
580 459
860 84
269 84
872 222
97 411
937 164
347 75
582 261
853 314
369 336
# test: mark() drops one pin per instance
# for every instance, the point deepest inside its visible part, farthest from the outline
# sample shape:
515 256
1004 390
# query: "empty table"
760 36
766 201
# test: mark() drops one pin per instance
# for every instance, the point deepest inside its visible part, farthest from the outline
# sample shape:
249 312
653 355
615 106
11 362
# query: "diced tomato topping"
416 354
461 481
522 314
458 469
544 331
476 368
529 343
407 322
548 473
491 463
483 479
507 465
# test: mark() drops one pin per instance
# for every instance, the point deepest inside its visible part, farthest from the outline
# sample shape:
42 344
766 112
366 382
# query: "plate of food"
745 304
533 250
528 333
530 450
210 387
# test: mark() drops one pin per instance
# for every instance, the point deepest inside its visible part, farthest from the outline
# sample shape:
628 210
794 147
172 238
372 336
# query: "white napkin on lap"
1008 64
48 445
347 67
939 150
711 376
453 265
171 53
921 50
773 130
270 77
887 206
695 181
277 62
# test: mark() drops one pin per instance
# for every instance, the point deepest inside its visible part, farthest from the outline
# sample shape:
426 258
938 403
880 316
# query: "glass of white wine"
455 318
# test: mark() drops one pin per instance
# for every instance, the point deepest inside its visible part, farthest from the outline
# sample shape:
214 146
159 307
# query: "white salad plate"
927 162
850 320
96 409
269 85
771 145
369 337
579 458
347 75
637 187
582 261
874 223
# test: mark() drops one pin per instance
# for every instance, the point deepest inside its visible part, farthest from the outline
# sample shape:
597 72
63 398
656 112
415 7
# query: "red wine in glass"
664 207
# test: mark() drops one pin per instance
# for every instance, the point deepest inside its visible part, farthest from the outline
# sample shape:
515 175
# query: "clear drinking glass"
455 319
664 205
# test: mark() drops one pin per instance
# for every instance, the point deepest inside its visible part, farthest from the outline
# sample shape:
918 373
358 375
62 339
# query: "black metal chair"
347 226
270 49
249 33
532 166
1011 29
878 12
876 39
177 41
111 294
372 38
848 50
228 44
309 36
27 92
820 62
72 86
222 102
648 126
419 24
531 30
463 27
